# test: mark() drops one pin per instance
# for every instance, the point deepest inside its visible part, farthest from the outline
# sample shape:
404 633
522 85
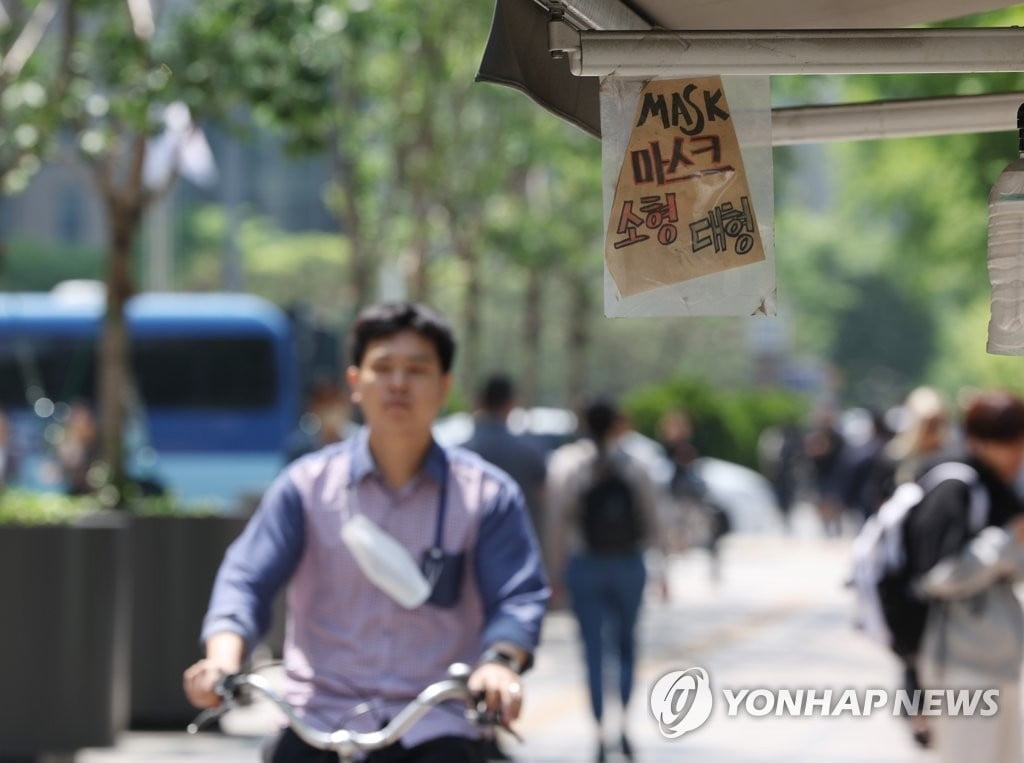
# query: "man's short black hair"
497 392
389 318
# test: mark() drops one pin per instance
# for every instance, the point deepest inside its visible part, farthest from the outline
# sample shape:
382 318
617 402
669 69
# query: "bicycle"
347 744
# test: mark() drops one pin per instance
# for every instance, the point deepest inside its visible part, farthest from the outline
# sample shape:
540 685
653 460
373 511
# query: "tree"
905 218
884 342
419 154
120 77
326 78
33 83
120 68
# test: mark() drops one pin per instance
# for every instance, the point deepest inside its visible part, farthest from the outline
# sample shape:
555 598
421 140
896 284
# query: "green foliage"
32 266
884 342
965 364
553 219
117 82
877 241
726 423
24 507
27 507
30 100
273 57
169 506
874 239
283 267
458 400
25 133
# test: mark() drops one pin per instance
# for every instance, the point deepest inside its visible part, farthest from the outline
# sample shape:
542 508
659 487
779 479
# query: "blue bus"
215 388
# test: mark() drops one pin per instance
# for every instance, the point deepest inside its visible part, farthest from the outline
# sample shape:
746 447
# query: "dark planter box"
174 561
64 636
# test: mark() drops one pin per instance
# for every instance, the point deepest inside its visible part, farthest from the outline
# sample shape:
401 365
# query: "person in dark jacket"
523 461
491 439
823 447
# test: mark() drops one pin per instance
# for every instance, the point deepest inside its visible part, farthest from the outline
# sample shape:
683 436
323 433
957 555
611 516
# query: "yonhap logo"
681 701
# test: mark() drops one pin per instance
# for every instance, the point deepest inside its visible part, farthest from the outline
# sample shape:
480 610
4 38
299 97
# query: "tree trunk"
471 320
532 327
578 343
419 272
347 213
113 382
3 231
232 199
362 273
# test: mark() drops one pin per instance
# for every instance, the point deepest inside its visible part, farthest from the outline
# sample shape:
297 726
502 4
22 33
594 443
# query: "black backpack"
611 516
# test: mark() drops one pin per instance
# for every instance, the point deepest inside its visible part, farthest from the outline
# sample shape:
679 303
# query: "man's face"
399 384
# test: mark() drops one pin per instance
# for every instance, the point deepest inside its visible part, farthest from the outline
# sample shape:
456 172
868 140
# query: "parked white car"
745 495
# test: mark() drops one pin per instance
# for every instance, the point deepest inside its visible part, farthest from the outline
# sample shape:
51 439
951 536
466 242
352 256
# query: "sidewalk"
779 618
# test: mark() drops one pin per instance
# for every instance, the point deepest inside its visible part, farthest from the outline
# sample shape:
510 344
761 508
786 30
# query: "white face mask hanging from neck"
388 564
383 560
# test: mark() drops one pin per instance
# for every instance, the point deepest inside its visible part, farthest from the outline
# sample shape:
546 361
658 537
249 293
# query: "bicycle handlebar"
342 741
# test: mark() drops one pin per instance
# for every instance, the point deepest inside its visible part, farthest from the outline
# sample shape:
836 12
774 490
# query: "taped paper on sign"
687 176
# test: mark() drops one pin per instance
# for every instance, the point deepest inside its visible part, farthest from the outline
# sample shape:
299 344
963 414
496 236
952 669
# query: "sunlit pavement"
779 618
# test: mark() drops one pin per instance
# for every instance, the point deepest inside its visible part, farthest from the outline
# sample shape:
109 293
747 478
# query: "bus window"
205 372
60 368
215 391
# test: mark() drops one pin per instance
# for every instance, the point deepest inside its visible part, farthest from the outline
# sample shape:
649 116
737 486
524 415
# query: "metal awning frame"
663 53
604 38
912 118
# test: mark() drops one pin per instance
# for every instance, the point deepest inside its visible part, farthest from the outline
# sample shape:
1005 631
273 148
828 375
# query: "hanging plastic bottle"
1006 255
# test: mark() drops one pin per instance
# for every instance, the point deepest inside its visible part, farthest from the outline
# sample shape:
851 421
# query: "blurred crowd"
846 463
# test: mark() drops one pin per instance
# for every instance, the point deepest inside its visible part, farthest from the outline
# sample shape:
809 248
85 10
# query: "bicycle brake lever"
206 717
484 717
507 728
228 689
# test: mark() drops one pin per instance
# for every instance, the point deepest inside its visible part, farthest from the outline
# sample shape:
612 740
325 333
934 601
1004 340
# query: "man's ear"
352 379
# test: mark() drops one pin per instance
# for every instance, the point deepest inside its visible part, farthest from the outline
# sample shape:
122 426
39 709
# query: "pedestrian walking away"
514 454
603 507
523 461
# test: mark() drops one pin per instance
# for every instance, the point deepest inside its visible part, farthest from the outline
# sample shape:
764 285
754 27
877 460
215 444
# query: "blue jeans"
606 592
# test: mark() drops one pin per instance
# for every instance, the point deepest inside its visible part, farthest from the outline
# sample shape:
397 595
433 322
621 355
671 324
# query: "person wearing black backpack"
974 632
602 505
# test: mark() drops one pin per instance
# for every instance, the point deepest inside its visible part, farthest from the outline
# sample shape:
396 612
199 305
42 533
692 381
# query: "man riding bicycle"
340 525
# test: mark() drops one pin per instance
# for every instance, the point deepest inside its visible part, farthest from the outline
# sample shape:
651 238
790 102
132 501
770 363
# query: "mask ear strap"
350 499
442 507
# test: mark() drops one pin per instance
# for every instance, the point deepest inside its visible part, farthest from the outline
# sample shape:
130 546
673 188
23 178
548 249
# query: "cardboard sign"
682 206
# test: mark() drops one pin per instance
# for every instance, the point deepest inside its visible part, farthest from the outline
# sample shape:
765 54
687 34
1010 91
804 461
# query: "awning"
518 50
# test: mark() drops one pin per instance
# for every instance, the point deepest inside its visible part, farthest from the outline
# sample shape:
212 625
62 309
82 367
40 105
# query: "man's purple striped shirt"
346 641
